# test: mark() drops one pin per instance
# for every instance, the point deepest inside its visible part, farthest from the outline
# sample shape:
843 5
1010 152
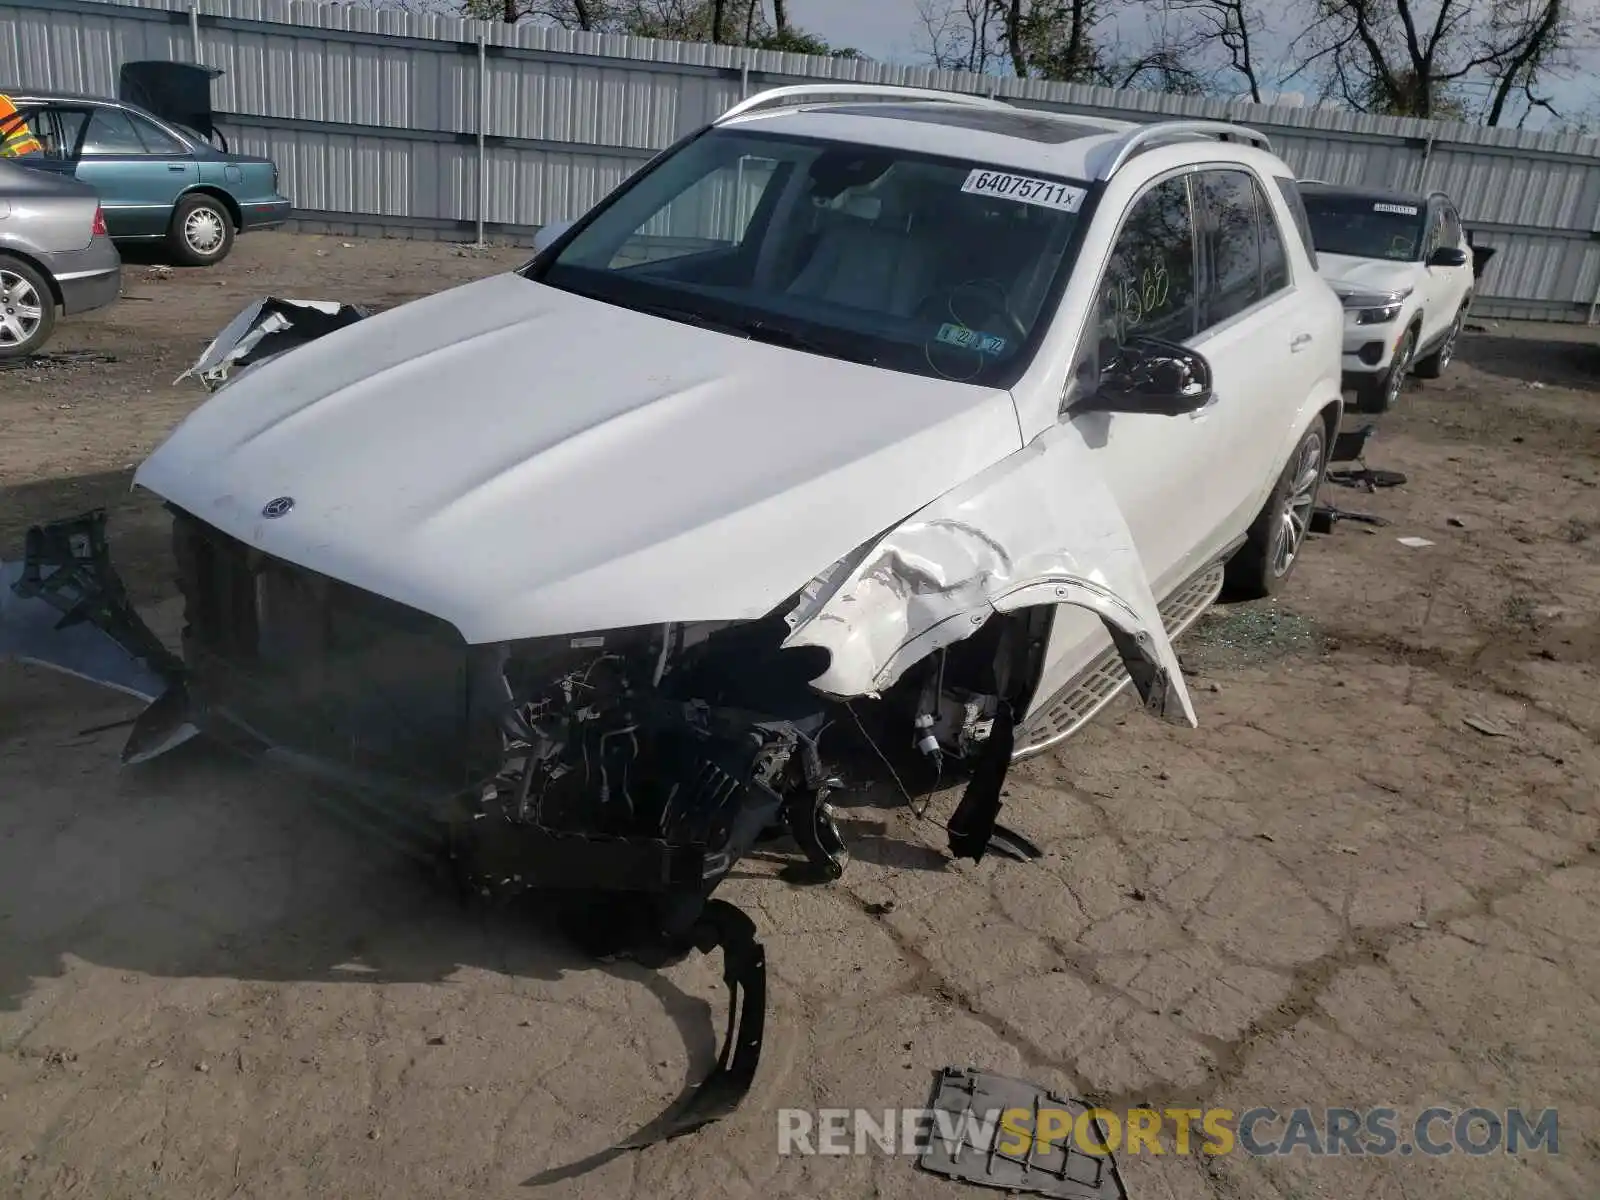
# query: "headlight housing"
1374 308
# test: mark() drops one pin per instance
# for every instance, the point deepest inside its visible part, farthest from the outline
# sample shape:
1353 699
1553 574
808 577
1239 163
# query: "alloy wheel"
1447 351
1294 519
1397 372
21 309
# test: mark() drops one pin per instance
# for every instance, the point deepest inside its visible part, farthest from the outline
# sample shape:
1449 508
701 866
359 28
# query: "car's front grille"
322 668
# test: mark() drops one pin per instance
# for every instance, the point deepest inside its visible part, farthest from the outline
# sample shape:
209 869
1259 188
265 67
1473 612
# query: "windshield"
931 266
1364 226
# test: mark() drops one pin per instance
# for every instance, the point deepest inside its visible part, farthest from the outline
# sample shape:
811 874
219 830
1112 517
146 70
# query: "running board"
1081 700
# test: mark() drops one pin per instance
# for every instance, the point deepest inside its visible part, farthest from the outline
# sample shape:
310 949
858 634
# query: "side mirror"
1149 375
548 235
1448 256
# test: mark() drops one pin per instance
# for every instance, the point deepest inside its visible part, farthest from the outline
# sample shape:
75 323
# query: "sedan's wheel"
1268 557
27 308
1434 365
1381 393
201 232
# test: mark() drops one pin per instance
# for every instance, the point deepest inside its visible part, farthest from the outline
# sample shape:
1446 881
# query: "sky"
883 29
891 31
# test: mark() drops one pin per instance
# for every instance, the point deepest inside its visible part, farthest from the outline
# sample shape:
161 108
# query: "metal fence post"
1422 171
1594 301
194 31
483 119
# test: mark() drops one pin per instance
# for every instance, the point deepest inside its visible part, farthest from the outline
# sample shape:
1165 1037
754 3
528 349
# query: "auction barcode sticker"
1044 192
1405 210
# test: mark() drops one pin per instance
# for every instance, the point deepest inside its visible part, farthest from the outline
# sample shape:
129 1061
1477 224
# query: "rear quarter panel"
49 224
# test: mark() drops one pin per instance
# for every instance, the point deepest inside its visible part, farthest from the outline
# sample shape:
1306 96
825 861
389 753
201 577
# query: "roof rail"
874 92
1136 140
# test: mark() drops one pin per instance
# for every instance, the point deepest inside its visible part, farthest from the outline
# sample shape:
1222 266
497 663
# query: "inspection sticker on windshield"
971 339
1405 210
1044 192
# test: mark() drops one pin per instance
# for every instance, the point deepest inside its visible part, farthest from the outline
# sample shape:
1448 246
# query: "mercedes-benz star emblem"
274 509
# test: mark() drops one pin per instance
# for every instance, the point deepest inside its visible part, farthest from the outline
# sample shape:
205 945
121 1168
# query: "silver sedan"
54 255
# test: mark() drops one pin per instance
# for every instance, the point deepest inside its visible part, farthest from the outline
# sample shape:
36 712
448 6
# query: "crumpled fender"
1040 527
263 330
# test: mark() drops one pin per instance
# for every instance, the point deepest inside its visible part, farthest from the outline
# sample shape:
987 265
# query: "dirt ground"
1370 877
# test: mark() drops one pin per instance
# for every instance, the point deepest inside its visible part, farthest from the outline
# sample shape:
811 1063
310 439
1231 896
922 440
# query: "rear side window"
110 132
156 140
1290 191
1233 244
1274 259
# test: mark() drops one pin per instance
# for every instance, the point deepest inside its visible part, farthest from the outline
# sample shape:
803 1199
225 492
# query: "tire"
1378 395
1434 365
201 232
27 308
1260 568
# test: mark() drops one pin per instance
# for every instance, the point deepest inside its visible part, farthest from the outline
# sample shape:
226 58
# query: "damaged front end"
620 774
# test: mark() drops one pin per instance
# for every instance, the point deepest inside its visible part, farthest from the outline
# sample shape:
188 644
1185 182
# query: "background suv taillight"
98 229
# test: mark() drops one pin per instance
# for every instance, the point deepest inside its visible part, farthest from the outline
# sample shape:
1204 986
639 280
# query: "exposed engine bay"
628 772
620 773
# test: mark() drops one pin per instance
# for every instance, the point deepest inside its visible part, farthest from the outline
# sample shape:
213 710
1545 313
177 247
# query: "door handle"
1299 342
177 166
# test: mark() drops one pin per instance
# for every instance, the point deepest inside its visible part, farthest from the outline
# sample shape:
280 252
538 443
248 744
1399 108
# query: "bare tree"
958 35
1052 39
568 14
1234 26
780 16
1414 57
1547 32
1058 40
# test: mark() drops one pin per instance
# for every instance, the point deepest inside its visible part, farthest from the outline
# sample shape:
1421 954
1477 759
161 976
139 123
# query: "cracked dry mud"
1333 892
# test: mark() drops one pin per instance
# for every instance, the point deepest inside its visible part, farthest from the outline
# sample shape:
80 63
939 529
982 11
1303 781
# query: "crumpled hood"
521 461
1345 273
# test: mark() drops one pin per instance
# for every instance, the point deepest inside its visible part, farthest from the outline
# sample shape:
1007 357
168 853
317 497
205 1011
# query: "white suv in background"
1401 265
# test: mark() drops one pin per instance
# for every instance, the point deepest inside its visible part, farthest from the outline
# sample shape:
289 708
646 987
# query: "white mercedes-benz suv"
865 432
1401 265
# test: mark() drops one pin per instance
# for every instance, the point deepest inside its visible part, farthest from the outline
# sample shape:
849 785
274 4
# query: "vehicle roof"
1066 144
18 95
1312 187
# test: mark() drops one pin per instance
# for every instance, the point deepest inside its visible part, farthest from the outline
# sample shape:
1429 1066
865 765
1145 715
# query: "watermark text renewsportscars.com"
1259 1132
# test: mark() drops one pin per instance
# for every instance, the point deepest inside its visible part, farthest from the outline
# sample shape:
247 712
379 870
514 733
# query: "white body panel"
487 456
521 461
1188 486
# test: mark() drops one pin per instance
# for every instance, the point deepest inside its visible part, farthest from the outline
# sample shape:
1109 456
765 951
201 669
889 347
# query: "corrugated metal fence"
373 117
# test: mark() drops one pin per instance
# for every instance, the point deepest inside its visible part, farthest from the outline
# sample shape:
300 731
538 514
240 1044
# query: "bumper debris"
1027 1161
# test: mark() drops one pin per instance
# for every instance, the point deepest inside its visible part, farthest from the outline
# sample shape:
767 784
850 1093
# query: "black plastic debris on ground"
1061 1169
61 358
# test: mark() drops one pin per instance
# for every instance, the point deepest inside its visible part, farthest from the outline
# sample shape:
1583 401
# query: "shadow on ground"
199 866
1533 360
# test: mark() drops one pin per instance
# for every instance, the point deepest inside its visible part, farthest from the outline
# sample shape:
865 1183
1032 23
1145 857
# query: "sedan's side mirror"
1448 256
549 234
1150 375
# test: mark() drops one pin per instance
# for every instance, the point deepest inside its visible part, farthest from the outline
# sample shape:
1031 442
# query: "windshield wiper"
758 331
687 315
778 335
